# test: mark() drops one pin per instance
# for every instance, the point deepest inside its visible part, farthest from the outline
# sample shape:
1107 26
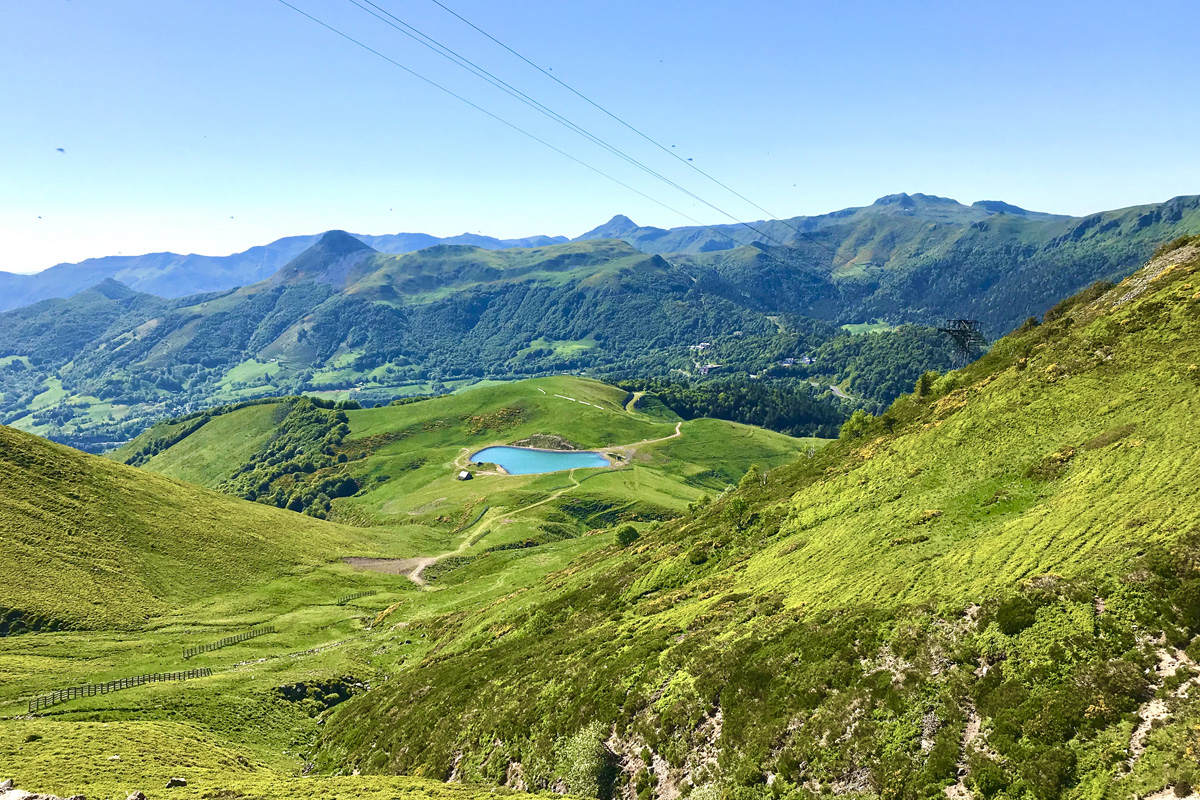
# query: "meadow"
232 566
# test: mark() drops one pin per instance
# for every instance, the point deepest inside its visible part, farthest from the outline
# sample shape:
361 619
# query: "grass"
560 348
155 565
93 543
874 326
252 369
212 453
832 599
995 546
102 760
53 394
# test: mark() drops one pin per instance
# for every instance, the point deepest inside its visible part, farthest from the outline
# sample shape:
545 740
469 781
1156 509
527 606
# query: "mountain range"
175 275
987 590
96 368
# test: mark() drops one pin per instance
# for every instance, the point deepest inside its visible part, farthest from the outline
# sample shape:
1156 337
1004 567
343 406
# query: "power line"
483 110
465 63
503 121
766 252
645 136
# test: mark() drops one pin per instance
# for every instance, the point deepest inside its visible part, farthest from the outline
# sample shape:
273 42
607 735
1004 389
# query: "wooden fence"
346 598
92 689
228 640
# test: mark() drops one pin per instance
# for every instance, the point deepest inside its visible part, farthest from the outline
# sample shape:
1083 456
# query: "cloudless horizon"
135 126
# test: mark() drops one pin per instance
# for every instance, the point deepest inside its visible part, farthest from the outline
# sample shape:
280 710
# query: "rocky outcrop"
546 441
7 792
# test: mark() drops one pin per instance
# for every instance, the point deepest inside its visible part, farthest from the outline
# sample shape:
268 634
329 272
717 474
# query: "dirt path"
414 568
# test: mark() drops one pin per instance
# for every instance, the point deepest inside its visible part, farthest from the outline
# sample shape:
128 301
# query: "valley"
843 317
759 489
431 545
972 592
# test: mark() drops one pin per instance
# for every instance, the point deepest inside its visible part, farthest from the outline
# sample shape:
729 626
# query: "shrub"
581 760
856 427
1175 244
627 535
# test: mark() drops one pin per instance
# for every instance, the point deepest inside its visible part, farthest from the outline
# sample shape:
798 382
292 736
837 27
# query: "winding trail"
419 565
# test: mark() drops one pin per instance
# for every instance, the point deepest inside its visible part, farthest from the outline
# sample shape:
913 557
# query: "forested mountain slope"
343 317
930 258
95 369
990 590
176 275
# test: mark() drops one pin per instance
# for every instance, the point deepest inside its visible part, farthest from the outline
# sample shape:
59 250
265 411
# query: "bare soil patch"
388 566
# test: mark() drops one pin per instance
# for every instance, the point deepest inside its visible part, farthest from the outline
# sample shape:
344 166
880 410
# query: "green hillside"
182 566
402 459
989 590
98 368
89 543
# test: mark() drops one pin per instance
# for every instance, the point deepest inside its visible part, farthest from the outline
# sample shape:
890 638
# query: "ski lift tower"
968 340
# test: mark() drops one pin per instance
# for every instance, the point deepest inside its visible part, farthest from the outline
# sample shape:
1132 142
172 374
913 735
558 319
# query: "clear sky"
213 125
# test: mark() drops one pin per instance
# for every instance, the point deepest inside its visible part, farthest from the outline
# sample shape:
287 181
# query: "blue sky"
213 125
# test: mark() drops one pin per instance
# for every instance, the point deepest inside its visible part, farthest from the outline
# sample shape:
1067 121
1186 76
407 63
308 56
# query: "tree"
856 426
925 383
627 535
581 761
752 477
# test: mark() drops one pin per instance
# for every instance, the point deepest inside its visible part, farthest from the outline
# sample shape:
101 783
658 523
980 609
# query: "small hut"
465 476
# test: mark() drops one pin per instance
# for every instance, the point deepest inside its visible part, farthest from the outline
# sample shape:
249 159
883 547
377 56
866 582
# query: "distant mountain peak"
1000 207
337 242
615 228
113 289
905 200
328 261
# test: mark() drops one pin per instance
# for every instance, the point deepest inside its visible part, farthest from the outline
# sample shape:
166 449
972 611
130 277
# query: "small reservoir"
528 461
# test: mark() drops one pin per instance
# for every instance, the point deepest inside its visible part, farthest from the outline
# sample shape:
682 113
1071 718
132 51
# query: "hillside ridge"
176 275
1008 550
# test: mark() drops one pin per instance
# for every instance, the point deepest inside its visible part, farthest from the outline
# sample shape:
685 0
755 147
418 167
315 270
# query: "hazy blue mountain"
709 238
175 275
97 367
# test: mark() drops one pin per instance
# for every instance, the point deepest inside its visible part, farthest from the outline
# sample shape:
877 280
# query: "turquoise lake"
527 461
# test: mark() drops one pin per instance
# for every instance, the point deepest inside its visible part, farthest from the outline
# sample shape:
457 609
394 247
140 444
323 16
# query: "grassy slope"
435 272
212 453
236 712
1047 470
91 543
157 751
406 456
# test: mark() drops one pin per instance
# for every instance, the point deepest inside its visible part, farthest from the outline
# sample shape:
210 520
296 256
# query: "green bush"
925 383
627 535
581 761
856 427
